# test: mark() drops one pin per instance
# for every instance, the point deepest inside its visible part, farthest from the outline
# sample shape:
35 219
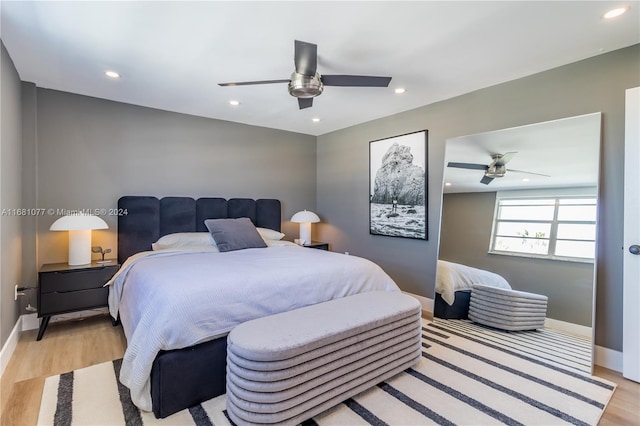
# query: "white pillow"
270 234
184 239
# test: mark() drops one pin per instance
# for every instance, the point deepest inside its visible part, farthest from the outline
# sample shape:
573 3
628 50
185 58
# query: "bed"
454 282
177 305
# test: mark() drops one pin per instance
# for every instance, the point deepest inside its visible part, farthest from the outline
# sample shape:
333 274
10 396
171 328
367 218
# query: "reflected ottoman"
507 309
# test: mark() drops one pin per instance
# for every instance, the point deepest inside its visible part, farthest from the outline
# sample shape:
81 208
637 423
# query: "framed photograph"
398 186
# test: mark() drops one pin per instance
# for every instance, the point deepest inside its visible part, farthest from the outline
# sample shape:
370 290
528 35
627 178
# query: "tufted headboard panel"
149 218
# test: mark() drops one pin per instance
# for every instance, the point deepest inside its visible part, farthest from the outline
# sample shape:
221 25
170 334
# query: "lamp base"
305 232
80 247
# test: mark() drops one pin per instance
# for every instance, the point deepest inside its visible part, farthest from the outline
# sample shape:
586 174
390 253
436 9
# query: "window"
562 228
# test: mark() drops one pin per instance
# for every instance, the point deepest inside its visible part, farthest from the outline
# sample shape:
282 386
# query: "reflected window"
561 228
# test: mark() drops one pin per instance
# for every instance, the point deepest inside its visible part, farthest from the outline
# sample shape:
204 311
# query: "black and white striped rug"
469 374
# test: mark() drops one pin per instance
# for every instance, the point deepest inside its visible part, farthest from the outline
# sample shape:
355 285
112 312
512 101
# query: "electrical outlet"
17 293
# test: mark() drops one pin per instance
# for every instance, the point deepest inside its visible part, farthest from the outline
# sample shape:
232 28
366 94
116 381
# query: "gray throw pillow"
234 234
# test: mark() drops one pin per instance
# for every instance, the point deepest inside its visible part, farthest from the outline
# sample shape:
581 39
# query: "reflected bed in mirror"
519 210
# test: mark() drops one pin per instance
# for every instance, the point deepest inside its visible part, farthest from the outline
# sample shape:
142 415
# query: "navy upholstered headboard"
149 218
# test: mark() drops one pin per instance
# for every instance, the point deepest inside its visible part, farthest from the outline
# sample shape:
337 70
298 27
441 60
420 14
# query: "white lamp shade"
305 217
78 222
79 227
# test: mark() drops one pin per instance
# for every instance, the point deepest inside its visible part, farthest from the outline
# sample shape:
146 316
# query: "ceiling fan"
496 169
306 83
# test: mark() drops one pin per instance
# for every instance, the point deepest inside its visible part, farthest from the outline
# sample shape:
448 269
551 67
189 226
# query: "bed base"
459 309
186 377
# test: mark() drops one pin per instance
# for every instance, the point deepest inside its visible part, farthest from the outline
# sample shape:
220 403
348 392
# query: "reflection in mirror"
519 212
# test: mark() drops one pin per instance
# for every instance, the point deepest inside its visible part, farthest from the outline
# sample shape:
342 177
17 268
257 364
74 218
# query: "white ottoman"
507 309
288 367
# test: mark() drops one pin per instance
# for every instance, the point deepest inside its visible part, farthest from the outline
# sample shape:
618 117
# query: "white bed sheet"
452 277
175 299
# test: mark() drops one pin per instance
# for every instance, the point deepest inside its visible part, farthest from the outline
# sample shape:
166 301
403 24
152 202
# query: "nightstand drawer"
65 281
53 303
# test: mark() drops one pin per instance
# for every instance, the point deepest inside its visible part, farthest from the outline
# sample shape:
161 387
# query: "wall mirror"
521 203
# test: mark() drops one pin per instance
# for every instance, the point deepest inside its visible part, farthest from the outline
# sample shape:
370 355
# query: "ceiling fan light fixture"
305 86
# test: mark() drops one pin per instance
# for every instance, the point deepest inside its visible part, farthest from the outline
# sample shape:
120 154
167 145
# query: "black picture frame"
398 170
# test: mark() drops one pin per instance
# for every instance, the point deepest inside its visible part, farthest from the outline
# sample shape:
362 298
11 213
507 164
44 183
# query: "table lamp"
305 219
79 226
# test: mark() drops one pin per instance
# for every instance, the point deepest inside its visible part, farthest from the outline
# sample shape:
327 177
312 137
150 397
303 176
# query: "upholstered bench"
288 367
507 309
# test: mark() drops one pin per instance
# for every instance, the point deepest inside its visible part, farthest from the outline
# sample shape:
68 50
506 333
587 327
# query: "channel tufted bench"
288 367
507 309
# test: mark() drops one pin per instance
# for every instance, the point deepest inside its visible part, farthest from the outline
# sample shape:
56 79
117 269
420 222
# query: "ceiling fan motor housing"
496 171
305 86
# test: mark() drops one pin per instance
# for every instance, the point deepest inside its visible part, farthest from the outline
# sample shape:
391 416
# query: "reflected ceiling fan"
496 169
306 83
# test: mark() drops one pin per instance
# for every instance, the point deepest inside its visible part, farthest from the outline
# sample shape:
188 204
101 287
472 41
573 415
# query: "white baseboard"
10 345
427 304
25 322
30 322
567 327
607 358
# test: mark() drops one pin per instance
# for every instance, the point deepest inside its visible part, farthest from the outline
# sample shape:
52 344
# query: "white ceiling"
566 150
173 54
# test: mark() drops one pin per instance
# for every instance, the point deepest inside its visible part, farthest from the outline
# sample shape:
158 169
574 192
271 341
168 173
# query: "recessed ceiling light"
234 103
615 12
315 120
525 179
112 74
400 90
447 184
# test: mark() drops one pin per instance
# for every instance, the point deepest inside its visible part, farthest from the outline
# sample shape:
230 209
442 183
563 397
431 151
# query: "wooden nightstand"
63 288
318 245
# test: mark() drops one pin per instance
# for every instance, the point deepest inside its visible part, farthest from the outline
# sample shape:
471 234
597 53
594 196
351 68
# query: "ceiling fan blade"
355 81
470 166
305 57
529 173
248 83
505 158
486 180
305 103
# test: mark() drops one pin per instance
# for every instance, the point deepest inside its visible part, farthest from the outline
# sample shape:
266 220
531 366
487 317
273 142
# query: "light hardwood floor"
65 346
76 344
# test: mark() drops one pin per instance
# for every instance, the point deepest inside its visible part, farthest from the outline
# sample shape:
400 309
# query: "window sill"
542 257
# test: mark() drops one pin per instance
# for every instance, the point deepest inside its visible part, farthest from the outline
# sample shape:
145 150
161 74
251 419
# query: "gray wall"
593 85
87 152
465 233
10 192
